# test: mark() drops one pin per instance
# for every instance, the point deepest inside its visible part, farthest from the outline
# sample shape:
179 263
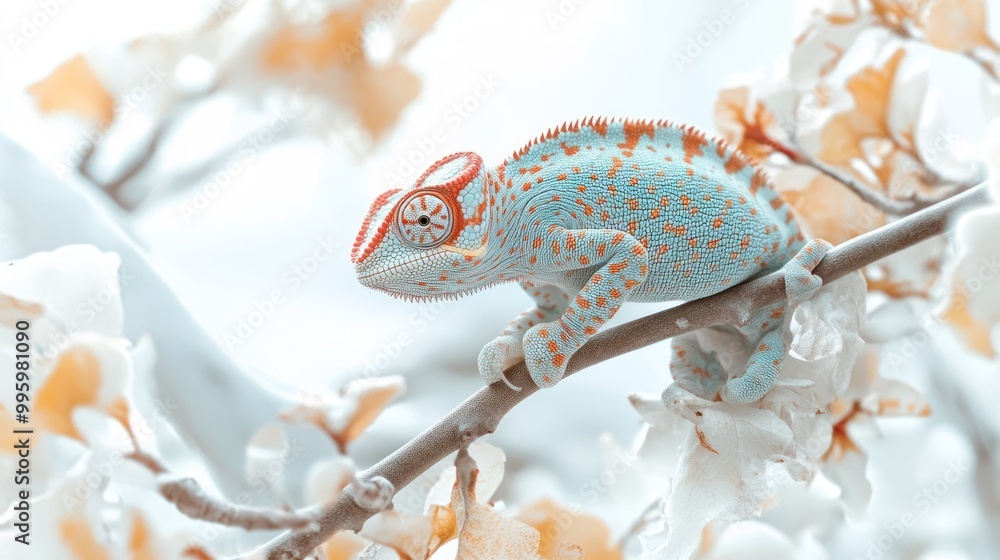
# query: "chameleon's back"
707 217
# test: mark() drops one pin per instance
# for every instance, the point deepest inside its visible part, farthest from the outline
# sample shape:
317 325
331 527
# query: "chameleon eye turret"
424 220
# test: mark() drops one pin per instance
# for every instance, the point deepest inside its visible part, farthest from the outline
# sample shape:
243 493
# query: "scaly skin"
589 216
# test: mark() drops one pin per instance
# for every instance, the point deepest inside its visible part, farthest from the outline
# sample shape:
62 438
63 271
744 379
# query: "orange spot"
615 293
629 284
553 347
654 213
569 150
558 360
616 164
561 176
615 268
584 260
582 302
713 244
589 331
617 238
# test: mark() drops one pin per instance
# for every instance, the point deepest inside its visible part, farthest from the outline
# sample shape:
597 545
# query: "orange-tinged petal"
73 87
336 41
974 332
379 95
78 535
141 545
344 545
956 25
74 381
371 397
558 526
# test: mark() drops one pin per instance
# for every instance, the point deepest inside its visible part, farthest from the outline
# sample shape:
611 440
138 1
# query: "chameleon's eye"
424 220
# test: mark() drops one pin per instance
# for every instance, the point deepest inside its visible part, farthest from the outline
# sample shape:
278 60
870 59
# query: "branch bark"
481 413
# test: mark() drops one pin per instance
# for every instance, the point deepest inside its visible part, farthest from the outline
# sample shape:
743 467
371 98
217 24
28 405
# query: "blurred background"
238 143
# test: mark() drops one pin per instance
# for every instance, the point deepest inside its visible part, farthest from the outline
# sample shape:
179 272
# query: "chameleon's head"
427 241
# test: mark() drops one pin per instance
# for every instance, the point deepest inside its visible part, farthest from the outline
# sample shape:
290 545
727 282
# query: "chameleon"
589 215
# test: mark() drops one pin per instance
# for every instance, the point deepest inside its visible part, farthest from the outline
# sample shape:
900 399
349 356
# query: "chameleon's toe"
498 355
760 372
800 282
545 358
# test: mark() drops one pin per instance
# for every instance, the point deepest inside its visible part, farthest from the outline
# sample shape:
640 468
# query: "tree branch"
481 413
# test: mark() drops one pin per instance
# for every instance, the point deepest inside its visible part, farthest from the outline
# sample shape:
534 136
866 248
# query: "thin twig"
905 33
638 525
191 499
117 186
480 414
891 206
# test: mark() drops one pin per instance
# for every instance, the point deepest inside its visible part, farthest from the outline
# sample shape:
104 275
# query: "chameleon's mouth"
422 293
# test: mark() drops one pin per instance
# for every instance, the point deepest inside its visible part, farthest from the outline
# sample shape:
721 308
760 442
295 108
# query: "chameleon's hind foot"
760 372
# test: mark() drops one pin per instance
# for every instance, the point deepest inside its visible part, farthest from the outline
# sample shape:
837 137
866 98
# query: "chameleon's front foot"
501 353
546 354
